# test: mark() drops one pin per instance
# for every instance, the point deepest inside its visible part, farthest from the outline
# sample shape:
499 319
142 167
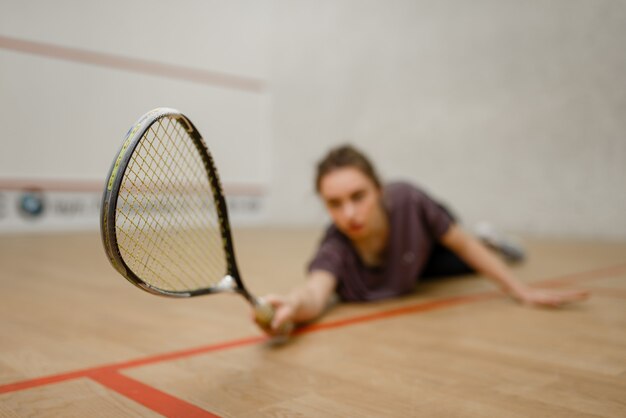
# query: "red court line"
585 275
42 381
136 65
416 308
405 310
610 293
186 353
110 368
154 399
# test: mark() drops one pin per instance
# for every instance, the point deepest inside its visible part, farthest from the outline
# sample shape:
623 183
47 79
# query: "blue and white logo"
3 206
31 204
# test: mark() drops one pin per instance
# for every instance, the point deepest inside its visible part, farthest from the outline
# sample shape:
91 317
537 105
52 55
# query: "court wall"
506 111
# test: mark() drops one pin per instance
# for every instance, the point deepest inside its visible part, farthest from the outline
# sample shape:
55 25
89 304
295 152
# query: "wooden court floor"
77 340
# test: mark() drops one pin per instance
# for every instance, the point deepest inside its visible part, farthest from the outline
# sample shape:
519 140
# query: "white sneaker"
506 247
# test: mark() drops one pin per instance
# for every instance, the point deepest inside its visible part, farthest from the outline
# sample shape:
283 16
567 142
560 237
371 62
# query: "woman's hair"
345 156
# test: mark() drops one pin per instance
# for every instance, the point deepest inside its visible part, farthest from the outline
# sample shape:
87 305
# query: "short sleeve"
329 256
436 217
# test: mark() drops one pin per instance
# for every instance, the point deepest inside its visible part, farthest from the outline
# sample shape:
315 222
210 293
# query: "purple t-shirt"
417 222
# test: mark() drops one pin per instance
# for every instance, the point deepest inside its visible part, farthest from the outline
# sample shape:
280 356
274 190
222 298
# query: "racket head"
164 220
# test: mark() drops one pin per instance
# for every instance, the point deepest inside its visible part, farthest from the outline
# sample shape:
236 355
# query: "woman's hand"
305 303
284 313
550 298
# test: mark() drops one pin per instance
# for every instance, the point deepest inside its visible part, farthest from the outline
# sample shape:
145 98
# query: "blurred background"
508 111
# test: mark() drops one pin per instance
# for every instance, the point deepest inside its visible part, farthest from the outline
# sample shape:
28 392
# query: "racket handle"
264 314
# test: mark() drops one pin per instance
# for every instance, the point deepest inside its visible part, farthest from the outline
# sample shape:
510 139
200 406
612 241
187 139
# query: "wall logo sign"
33 209
31 204
3 206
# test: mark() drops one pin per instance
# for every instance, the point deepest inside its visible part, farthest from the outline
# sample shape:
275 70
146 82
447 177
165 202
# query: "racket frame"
231 282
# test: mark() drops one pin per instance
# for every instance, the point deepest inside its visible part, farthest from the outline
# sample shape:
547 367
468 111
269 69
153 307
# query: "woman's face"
352 200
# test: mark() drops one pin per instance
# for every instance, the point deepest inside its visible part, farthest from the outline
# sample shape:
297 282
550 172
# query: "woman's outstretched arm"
474 253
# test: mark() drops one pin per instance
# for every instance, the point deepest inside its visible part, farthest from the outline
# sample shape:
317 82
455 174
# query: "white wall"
75 75
66 118
511 111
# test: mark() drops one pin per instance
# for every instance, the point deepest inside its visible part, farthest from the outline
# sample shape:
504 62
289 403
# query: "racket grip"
264 314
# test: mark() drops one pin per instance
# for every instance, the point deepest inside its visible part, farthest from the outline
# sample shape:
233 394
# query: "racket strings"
202 197
205 201
157 202
174 200
166 220
140 247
